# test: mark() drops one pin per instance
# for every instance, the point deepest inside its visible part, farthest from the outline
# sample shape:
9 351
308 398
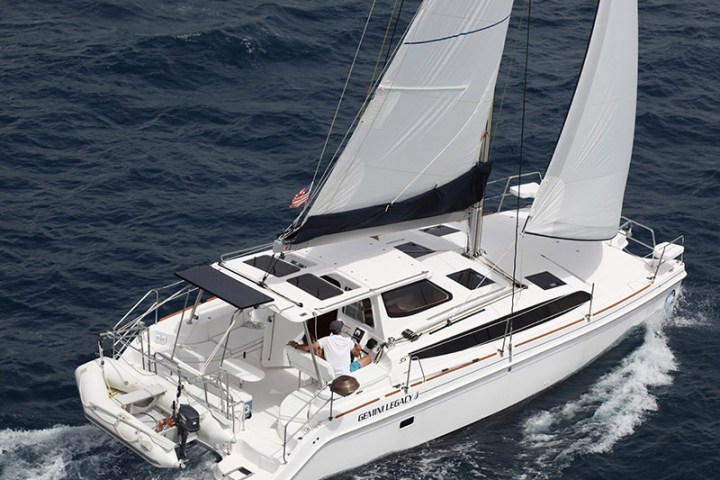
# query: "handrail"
203 379
661 260
629 224
422 370
507 185
307 406
154 307
126 330
191 376
130 329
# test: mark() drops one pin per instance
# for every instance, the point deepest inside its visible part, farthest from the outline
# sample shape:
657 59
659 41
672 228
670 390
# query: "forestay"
414 151
581 195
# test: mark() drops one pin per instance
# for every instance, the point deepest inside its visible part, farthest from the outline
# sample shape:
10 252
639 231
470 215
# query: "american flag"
300 197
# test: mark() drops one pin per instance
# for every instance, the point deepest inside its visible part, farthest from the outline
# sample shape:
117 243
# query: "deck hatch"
470 279
545 280
272 265
440 230
226 288
315 286
413 249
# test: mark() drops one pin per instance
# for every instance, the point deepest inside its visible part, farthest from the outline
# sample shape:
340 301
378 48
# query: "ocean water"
141 138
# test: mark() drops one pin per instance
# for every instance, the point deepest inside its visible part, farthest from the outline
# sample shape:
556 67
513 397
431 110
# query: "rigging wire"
351 128
392 37
508 326
382 48
342 97
498 116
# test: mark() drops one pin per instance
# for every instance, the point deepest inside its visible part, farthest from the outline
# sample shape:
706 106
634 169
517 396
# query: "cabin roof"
324 277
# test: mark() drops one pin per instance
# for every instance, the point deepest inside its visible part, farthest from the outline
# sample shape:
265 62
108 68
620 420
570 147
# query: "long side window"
524 319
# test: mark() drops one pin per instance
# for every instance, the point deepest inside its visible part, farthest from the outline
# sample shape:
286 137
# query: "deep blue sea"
138 139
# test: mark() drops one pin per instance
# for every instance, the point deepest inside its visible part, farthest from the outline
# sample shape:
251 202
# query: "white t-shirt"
337 352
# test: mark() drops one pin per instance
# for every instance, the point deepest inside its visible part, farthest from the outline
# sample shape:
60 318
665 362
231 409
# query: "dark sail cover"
454 196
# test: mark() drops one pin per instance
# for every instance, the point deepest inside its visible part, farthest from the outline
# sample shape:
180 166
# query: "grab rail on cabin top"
245 251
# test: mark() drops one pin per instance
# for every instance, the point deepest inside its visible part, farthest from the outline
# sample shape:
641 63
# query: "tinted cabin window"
414 298
273 265
315 286
470 279
526 318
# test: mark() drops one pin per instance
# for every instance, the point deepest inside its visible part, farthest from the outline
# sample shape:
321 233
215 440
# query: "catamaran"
463 310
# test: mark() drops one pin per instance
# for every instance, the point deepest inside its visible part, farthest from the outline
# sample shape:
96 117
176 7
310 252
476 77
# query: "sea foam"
83 452
609 411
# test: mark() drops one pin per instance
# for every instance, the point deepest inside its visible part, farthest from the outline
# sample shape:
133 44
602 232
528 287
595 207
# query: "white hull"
468 397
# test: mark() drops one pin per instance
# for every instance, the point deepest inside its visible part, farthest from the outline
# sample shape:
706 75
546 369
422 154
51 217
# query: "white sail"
424 125
582 193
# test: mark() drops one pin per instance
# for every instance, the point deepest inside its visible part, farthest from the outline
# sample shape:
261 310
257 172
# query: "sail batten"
423 127
581 196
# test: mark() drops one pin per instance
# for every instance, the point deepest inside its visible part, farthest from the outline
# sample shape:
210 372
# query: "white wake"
612 409
84 452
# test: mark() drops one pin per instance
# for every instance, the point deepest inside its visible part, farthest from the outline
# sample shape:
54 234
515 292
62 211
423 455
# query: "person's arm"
305 348
356 350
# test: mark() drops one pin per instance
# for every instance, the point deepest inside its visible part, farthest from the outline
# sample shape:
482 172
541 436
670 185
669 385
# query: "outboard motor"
187 420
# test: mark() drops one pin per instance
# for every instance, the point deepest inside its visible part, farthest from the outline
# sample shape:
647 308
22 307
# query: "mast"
476 211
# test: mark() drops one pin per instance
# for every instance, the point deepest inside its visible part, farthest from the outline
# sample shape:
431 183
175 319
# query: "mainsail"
581 196
414 152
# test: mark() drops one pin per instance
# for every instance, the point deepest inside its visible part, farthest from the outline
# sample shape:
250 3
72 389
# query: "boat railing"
658 252
245 251
204 381
629 226
134 323
411 359
309 416
509 183
131 332
499 330
152 361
